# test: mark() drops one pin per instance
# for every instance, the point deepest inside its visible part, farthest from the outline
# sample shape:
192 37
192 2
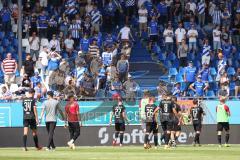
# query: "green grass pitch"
205 152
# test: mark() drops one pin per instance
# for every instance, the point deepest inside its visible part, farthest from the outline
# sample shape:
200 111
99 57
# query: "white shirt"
35 43
142 15
180 34
55 43
193 32
69 43
218 33
44 58
168 34
125 31
193 6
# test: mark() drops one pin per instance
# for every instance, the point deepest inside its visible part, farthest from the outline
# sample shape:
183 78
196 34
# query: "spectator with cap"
198 87
130 89
9 68
189 75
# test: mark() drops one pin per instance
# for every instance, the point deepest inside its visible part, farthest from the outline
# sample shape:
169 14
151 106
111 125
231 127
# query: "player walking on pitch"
73 118
196 114
151 123
223 115
50 108
119 114
30 119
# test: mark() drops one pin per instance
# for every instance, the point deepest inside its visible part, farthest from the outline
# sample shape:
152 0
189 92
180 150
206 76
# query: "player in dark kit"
119 114
30 119
151 123
177 121
196 114
168 111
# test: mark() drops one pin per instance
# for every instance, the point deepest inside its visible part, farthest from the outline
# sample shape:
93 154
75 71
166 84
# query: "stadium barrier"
97 132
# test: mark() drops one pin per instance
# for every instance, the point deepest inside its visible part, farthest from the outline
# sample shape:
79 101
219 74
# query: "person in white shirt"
180 33
216 38
192 35
34 45
193 6
168 35
125 34
107 56
69 43
43 58
54 43
143 13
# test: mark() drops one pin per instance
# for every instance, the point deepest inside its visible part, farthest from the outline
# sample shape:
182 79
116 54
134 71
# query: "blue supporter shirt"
153 28
36 80
162 9
42 21
148 5
190 73
84 44
199 86
53 64
110 9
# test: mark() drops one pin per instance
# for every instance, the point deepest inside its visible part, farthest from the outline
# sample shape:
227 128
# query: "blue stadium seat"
171 57
183 86
231 71
210 79
176 63
5 42
236 63
213 71
210 93
15 42
197 63
179 78
2 34
1 49
191 57
167 64
161 56
172 72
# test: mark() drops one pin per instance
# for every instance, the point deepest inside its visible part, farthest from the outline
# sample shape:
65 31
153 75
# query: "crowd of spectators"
83 46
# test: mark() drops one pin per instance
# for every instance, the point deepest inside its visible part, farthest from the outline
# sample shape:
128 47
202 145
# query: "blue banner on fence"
97 113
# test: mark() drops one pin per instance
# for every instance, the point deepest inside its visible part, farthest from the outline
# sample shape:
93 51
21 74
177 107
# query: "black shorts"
167 126
176 127
153 38
197 127
120 127
223 125
151 127
30 123
74 127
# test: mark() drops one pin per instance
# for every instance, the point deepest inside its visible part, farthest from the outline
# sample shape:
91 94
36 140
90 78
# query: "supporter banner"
103 136
97 113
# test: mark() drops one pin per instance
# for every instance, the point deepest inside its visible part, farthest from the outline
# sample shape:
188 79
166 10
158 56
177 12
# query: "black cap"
50 93
31 90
